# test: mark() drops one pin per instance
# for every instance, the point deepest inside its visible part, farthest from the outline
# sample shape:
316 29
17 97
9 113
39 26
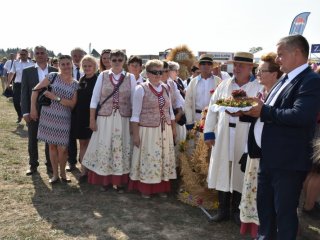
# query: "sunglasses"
155 72
117 60
206 63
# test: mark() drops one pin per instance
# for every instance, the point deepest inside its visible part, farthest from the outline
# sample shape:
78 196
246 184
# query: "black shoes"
54 180
221 216
19 120
236 218
65 180
71 167
31 171
83 179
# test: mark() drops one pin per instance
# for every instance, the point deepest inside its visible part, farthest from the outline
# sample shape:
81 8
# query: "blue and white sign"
315 48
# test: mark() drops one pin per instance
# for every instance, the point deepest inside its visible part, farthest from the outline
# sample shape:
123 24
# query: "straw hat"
242 57
208 58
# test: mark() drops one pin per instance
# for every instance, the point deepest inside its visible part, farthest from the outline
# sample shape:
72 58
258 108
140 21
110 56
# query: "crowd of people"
128 117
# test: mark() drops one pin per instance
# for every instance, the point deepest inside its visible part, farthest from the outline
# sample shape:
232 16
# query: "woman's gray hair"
173 66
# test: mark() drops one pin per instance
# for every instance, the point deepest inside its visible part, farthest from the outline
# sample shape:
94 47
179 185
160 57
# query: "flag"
299 23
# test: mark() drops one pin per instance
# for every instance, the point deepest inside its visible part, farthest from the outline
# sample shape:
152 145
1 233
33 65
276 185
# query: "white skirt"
109 149
248 205
154 161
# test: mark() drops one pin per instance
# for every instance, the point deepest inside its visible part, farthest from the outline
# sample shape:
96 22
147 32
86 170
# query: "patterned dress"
153 163
109 151
55 120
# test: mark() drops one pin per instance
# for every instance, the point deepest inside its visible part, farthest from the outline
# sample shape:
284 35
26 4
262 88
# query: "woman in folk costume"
268 73
176 100
228 137
109 152
153 125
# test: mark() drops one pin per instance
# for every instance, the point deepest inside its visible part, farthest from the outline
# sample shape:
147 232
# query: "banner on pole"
315 48
299 23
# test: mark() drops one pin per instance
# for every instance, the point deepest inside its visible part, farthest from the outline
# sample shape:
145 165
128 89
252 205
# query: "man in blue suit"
284 130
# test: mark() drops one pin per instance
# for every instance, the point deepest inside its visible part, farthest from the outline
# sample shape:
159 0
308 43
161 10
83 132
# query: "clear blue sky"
149 26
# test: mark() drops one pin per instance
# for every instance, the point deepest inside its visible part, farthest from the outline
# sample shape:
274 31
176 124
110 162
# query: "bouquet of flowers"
199 126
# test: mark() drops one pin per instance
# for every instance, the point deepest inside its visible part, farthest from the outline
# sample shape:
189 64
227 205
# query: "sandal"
54 180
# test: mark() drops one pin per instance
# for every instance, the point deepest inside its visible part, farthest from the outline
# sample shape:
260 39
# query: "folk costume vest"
155 107
121 99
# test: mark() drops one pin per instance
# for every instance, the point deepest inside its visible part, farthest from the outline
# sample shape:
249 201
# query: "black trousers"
33 145
72 147
17 98
277 201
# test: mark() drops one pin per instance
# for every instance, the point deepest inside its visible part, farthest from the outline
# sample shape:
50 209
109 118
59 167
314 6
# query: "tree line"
6 53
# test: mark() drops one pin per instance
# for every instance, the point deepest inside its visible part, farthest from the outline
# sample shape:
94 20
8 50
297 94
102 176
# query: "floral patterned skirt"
109 149
154 161
248 205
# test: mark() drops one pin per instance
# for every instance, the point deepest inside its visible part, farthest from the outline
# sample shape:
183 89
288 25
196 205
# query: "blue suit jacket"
289 125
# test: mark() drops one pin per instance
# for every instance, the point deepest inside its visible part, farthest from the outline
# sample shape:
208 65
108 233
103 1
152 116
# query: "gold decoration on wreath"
182 55
194 159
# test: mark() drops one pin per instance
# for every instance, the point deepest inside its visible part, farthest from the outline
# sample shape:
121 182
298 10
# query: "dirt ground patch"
33 209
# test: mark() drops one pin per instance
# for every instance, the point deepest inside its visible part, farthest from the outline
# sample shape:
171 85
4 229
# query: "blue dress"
55 120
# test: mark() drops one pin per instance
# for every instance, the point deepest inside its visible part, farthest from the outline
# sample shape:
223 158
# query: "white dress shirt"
225 75
138 99
179 99
74 72
7 65
203 94
291 75
18 67
41 73
140 79
95 99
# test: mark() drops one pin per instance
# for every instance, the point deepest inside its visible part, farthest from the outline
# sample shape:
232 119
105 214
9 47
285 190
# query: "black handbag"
183 119
8 92
42 99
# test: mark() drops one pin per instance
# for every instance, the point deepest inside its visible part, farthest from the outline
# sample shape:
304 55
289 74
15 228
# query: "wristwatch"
58 99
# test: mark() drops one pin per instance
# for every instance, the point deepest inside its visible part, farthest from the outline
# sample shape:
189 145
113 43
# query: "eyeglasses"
155 72
40 53
206 63
117 60
262 70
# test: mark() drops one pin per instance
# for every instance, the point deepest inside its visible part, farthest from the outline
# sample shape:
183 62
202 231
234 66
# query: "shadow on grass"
83 211
20 131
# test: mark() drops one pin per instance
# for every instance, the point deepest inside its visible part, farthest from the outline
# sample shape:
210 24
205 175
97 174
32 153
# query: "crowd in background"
129 118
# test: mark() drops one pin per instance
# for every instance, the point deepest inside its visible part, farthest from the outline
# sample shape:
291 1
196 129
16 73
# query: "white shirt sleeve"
179 98
137 103
133 86
95 99
171 112
13 68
